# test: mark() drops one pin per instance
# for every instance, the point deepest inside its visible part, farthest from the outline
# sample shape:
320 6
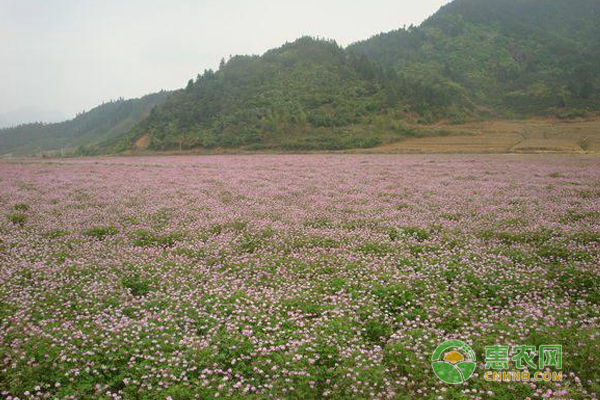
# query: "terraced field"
528 136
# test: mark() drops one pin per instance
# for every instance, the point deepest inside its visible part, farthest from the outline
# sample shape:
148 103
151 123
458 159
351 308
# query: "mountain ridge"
473 59
518 57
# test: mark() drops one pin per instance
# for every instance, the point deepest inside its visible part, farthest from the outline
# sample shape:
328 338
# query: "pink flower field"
294 277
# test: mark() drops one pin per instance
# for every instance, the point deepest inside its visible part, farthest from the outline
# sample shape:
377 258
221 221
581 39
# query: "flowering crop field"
294 277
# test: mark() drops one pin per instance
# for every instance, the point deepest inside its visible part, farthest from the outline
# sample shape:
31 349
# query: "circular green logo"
453 362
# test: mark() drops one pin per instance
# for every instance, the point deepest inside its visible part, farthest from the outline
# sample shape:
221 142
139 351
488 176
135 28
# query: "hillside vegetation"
472 60
511 57
310 94
102 123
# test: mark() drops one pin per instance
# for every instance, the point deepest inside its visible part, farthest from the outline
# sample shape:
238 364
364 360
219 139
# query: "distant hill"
484 58
513 57
100 124
473 59
29 115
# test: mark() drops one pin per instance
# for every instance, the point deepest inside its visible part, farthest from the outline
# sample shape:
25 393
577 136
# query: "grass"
17 219
144 237
101 233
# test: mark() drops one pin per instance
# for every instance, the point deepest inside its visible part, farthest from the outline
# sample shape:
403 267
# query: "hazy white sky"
71 55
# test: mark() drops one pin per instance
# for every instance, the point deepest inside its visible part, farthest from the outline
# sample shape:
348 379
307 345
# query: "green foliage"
537 238
399 299
556 175
104 123
418 234
515 57
377 331
56 233
21 207
249 243
137 286
560 253
578 283
17 219
375 248
147 238
307 95
576 216
472 59
101 233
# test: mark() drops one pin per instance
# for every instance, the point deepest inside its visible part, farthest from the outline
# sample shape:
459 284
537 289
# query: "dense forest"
472 59
310 94
513 58
107 121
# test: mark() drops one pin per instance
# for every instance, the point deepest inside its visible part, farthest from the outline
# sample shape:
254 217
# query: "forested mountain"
102 123
472 59
485 58
514 57
304 95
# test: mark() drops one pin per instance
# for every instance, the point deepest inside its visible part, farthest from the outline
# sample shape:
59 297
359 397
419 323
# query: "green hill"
484 58
512 57
310 94
105 122
472 59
